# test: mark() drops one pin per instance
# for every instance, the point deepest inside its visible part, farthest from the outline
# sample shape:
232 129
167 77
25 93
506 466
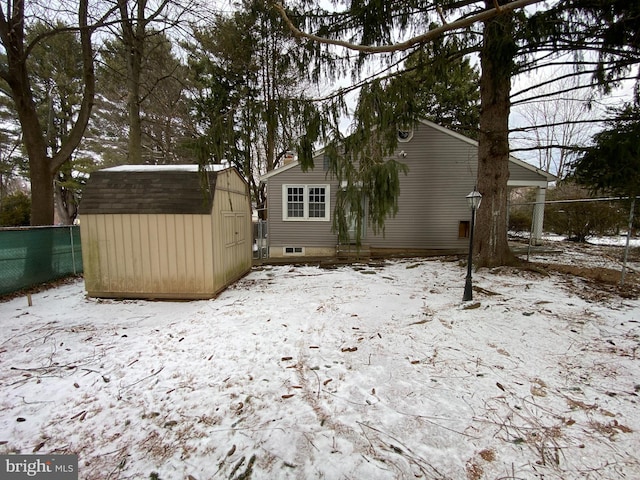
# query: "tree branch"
573 148
78 129
425 37
558 124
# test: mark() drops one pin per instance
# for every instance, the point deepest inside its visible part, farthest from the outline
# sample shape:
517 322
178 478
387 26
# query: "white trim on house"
277 171
527 183
409 134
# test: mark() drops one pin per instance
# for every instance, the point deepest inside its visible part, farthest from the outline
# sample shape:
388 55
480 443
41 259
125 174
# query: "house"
170 232
433 213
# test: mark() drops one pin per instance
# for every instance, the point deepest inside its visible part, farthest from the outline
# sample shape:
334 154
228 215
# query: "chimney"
288 158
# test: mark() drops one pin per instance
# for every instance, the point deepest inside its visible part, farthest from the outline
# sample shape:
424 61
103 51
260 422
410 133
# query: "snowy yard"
360 372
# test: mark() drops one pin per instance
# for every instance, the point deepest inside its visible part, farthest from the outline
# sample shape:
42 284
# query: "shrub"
15 210
580 219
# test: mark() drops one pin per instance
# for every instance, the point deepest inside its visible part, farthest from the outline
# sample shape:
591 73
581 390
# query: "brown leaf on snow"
621 427
474 471
487 455
539 388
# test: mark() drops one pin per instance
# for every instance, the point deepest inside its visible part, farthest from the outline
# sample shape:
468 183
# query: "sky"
375 370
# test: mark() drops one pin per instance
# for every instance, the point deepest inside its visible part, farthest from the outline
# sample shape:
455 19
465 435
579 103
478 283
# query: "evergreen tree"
443 86
14 210
509 39
612 164
249 98
164 120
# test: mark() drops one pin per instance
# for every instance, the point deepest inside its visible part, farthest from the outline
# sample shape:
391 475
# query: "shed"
170 232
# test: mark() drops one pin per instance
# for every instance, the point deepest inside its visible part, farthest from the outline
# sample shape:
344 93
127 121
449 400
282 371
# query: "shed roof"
150 189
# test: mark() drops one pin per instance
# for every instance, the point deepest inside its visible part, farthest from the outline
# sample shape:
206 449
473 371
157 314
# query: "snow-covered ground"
360 372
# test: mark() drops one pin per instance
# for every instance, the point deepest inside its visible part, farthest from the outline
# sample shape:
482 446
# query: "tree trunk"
65 204
42 203
133 36
496 60
135 125
34 143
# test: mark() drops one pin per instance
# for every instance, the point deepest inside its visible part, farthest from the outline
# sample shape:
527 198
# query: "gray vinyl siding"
432 203
518 173
442 171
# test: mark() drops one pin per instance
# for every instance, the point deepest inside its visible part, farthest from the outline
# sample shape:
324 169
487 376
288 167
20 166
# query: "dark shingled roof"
149 191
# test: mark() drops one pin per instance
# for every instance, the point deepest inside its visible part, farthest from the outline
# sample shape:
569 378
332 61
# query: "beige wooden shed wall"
180 256
232 254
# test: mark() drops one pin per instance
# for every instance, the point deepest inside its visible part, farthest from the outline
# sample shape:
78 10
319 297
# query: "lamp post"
473 199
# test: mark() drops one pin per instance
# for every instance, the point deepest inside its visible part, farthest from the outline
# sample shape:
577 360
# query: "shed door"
235 236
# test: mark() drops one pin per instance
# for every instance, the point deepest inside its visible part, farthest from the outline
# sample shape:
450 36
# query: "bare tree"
554 126
44 162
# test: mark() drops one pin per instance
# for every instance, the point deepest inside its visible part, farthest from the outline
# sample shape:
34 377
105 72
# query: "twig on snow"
405 451
144 378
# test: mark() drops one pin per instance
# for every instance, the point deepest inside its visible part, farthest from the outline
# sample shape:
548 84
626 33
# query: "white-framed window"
305 202
405 133
293 250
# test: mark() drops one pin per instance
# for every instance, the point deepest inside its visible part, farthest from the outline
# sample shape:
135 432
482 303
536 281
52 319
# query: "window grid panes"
295 202
317 202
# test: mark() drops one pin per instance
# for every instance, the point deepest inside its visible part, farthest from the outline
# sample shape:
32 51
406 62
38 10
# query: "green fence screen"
33 255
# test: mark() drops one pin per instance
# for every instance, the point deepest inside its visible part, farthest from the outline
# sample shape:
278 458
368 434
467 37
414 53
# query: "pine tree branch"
412 42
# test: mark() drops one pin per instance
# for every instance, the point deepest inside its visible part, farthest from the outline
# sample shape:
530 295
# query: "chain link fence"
34 255
260 240
575 219
612 219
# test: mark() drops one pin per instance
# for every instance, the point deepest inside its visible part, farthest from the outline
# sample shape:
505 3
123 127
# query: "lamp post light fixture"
473 199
